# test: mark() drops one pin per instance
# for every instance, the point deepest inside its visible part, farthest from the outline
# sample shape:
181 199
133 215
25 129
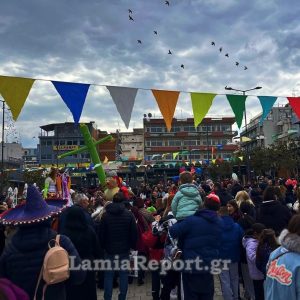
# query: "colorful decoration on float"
90 146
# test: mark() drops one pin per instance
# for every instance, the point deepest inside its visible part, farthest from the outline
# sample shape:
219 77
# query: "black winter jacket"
274 215
118 231
22 260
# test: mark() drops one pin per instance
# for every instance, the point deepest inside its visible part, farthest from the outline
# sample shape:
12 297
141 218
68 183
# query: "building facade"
211 139
56 139
12 155
30 157
107 149
280 126
131 144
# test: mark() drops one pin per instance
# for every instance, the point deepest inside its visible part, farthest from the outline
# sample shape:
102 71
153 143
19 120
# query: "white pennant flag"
123 98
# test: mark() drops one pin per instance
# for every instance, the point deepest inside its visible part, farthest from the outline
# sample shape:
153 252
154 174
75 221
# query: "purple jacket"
250 244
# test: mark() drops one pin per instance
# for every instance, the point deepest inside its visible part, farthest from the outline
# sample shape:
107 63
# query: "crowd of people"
247 235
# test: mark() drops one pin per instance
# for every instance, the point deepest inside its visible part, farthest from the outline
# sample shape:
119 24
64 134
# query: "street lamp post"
245 115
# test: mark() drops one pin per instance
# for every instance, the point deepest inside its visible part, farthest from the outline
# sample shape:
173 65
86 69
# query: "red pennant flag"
295 104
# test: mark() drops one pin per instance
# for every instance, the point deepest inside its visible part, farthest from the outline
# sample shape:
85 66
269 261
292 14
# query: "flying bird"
131 18
221 49
237 63
167 3
245 68
213 43
227 55
155 32
169 52
139 41
182 66
130 11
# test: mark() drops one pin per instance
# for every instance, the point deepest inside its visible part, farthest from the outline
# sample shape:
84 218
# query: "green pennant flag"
237 103
201 103
175 154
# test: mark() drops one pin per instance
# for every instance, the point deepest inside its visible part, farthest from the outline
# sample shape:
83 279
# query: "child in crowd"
232 235
250 243
267 244
187 200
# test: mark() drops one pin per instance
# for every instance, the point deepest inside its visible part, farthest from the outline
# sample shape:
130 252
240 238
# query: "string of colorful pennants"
15 91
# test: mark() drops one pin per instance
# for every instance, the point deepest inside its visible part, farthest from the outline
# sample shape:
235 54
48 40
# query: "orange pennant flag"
167 101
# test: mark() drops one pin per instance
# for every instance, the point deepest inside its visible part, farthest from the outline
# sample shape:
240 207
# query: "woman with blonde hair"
243 196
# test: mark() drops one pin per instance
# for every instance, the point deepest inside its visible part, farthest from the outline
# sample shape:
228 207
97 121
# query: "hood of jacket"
30 238
189 190
115 208
290 241
207 214
228 222
269 207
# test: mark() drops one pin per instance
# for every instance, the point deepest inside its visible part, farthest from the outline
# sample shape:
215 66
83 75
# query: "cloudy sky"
94 41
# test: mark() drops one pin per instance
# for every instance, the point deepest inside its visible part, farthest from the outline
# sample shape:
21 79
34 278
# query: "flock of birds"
227 55
130 12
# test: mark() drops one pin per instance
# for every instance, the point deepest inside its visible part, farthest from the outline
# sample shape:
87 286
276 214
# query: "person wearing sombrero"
23 257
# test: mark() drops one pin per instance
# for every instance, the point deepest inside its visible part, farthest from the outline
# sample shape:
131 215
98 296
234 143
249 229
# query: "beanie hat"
213 197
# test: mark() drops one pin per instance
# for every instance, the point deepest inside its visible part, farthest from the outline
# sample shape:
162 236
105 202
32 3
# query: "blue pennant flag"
267 103
73 94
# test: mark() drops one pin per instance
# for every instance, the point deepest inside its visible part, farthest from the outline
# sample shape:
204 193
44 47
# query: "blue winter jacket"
283 269
23 257
186 201
200 236
231 239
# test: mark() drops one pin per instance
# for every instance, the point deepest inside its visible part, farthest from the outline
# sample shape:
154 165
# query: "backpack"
55 267
10 291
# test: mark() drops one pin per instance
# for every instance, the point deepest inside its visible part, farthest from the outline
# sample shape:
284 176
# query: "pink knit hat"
11 291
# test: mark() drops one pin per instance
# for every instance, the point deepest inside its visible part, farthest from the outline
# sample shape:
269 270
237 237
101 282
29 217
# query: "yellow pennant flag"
241 158
175 154
245 139
165 155
167 101
201 103
105 161
213 161
15 91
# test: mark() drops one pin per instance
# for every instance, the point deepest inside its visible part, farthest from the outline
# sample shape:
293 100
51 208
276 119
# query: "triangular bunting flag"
15 91
295 104
105 161
167 101
123 98
175 154
237 103
245 139
267 103
201 103
241 158
73 94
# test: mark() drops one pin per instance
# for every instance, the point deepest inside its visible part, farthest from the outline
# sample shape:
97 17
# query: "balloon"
234 177
198 171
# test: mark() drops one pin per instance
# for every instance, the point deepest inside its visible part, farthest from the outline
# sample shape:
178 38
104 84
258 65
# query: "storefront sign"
65 147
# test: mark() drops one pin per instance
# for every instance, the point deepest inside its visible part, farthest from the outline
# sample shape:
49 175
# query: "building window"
49 156
148 144
189 129
175 129
69 142
175 143
190 143
43 143
156 129
49 143
75 142
62 142
81 142
156 143
43 156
